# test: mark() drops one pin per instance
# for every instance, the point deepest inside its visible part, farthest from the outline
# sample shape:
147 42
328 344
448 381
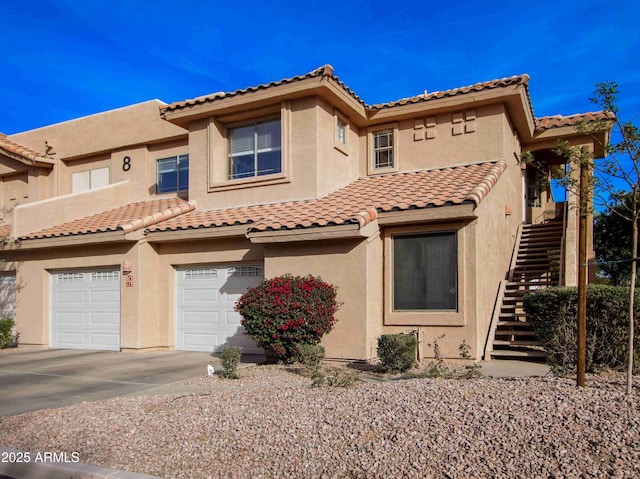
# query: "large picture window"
255 150
173 174
425 272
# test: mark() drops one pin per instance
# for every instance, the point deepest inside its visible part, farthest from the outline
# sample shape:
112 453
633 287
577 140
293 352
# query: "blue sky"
64 59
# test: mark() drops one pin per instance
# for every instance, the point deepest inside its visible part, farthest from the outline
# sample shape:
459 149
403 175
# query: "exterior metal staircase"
537 265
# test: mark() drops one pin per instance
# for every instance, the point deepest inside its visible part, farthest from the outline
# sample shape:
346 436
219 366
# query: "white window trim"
218 161
90 172
342 147
371 169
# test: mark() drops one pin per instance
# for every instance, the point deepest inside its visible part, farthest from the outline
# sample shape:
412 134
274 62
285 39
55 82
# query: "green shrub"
553 313
7 338
230 359
397 352
310 355
285 311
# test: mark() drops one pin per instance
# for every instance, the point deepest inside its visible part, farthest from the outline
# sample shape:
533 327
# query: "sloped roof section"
325 70
487 85
357 203
557 121
128 218
22 153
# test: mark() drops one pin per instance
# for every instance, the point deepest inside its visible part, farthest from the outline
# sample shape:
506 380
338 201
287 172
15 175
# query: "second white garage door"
85 309
205 299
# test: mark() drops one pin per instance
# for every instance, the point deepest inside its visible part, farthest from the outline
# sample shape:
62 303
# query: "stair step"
512 317
499 342
517 354
515 332
513 323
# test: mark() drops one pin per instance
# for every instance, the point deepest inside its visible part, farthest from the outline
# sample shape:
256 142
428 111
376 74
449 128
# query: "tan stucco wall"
346 264
107 131
43 214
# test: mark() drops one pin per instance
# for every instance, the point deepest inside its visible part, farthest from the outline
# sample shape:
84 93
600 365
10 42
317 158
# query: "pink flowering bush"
288 310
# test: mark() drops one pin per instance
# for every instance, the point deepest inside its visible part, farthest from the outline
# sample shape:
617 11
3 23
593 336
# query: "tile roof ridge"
522 79
427 170
323 71
365 217
483 188
555 121
158 216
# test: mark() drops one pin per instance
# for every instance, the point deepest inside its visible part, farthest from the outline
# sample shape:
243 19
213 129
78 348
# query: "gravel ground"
270 424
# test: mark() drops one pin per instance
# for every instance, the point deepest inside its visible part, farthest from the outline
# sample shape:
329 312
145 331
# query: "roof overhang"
71 241
323 86
515 98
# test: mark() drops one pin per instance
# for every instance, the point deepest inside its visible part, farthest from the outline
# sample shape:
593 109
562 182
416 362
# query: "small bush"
230 359
310 355
397 352
554 312
7 338
285 311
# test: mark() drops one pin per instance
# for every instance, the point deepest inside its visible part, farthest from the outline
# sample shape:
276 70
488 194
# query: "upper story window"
383 148
255 150
89 179
173 174
341 131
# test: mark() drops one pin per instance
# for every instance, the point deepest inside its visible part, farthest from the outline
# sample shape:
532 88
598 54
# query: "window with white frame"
255 150
89 179
173 174
341 131
383 148
425 273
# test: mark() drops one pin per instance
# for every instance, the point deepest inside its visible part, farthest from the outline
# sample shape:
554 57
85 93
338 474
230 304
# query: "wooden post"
583 213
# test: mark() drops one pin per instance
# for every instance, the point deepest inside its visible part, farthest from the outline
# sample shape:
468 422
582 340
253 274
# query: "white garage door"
205 298
85 309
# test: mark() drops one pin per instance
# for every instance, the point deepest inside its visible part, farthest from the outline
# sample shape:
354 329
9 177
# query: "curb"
17 464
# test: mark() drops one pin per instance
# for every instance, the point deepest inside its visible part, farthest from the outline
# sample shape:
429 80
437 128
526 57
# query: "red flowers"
287 310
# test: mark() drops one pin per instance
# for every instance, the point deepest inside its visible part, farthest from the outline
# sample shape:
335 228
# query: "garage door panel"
69 339
99 297
70 297
205 301
69 318
104 341
200 295
85 310
204 342
198 318
105 318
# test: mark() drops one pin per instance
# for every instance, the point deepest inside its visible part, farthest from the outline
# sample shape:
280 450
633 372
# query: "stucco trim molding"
317 233
65 241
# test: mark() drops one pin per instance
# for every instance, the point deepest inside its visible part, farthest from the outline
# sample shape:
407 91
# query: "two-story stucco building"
138 228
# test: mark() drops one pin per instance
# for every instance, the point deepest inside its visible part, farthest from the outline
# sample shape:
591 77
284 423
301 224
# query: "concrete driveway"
49 378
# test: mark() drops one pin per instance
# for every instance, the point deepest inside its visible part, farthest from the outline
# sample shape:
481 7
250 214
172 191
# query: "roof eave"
324 86
82 239
515 97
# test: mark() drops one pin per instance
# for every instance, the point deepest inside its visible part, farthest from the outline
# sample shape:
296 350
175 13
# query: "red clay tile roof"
556 121
326 70
488 85
13 149
358 202
127 218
